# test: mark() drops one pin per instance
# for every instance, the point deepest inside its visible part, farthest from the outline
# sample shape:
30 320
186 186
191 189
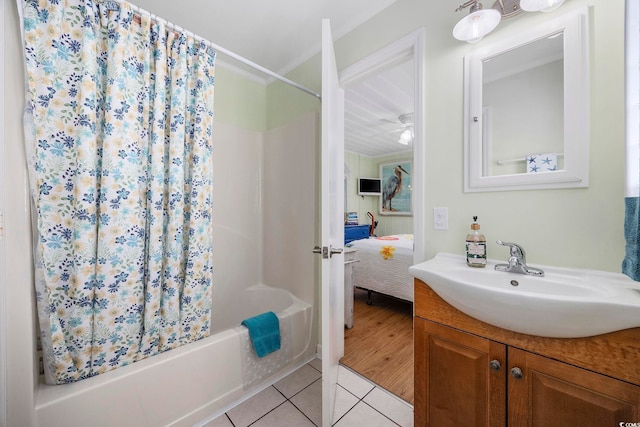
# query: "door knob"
495 365
326 252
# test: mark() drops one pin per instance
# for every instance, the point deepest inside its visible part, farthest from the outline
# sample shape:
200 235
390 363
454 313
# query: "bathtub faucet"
517 262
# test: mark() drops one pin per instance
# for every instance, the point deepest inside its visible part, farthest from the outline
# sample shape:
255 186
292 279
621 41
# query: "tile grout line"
285 401
395 396
365 403
343 415
384 415
294 405
374 386
273 409
229 418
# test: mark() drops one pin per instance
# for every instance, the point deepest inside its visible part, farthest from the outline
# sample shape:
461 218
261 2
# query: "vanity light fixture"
540 5
477 24
480 22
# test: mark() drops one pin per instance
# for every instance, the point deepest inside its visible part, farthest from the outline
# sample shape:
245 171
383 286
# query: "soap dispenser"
476 246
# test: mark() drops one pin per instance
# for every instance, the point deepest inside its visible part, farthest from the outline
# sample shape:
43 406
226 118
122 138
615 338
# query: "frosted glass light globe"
473 27
406 137
540 5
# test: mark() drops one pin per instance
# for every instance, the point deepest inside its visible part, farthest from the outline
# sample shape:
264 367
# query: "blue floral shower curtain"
118 132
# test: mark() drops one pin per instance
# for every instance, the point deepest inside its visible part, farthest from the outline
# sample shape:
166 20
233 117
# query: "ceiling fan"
405 123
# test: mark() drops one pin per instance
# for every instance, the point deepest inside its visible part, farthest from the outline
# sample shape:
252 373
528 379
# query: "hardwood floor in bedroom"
380 344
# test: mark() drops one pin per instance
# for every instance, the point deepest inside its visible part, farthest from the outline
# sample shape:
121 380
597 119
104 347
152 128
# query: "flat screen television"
369 186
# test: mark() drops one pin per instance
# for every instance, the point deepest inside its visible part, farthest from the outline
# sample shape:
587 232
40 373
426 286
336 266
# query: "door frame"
410 46
332 222
3 299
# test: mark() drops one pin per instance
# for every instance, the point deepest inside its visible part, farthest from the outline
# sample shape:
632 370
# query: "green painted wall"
285 103
239 100
574 228
369 167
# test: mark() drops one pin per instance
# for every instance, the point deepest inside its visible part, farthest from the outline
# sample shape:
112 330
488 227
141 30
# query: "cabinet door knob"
495 365
516 373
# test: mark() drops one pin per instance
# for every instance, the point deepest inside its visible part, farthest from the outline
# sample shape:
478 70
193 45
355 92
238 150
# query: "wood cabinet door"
554 394
455 383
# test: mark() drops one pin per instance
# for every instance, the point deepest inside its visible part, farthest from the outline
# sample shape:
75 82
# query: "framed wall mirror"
527 108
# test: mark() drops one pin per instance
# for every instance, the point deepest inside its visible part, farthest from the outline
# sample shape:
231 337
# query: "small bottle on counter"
476 246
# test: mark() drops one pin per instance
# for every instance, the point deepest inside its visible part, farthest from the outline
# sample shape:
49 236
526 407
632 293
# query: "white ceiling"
276 34
373 108
282 34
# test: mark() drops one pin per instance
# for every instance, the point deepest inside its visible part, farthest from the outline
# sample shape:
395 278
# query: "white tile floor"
297 399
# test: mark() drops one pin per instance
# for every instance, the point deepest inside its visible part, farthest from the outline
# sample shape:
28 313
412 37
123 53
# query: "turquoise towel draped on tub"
264 331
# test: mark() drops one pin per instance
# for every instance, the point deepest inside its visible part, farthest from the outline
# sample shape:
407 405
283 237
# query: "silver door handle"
326 252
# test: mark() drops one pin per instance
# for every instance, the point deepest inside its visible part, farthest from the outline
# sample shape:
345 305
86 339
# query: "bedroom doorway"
384 107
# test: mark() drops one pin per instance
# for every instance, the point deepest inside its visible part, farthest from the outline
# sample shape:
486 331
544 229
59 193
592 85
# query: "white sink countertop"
565 303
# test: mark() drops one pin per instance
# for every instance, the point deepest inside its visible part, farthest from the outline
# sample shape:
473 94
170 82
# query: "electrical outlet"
440 218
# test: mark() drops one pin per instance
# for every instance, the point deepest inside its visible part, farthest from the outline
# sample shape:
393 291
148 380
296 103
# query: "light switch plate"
440 218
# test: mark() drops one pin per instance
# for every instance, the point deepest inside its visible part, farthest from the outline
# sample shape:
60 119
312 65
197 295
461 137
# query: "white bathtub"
185 385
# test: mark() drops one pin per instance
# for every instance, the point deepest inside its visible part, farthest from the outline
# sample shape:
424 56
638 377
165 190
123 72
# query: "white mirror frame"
574 26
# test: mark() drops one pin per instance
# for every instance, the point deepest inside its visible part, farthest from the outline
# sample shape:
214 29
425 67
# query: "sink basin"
565 303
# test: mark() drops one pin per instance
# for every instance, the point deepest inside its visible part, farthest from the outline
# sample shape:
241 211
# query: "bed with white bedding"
383 265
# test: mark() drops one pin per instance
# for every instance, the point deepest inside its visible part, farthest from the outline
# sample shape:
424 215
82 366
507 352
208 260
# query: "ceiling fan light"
406 137
540 5
473 27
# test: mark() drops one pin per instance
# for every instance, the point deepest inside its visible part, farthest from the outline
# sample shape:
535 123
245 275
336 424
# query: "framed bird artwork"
396 188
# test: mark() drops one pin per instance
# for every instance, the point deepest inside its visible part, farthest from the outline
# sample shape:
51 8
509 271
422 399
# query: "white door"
332 224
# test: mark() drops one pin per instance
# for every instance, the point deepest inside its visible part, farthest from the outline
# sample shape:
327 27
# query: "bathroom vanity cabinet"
470 373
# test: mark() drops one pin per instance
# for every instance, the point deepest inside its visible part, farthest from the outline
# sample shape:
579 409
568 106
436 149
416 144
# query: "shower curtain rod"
115 5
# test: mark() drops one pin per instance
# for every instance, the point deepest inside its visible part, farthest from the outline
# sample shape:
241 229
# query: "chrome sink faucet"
517 262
